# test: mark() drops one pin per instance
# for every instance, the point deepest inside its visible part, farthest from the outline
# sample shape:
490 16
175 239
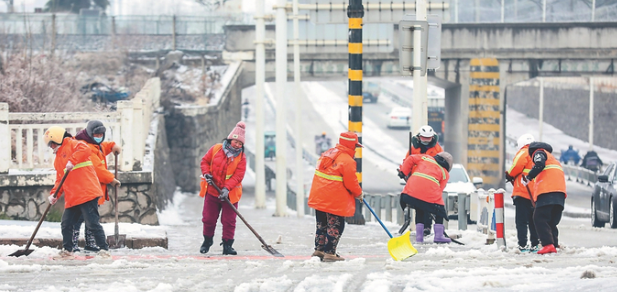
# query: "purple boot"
439 236
419 232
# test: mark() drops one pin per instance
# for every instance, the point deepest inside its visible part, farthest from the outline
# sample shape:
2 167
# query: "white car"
459 182
400 117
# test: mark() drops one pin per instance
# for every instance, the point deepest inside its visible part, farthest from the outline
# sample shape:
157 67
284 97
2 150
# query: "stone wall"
26 199
192 130
567 109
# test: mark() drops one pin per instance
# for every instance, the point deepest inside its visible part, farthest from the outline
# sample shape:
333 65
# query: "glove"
116 149
208 178
400 174
69 166
524 180
224 194
360 197
509 178
115 183
52 199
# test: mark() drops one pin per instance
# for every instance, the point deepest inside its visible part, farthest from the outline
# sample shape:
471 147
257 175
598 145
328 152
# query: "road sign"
430 47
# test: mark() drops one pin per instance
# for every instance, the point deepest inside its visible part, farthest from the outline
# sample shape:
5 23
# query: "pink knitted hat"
238 132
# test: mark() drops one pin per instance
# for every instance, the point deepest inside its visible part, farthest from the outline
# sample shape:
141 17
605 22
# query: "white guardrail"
128 125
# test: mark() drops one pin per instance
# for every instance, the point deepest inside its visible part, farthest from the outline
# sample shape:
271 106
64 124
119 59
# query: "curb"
132 243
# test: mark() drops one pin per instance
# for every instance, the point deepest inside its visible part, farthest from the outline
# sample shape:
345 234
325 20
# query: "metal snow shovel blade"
399 247
265 246
117 240
26 251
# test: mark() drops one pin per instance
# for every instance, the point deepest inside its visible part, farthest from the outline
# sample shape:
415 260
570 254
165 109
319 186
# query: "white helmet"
426 131
524 139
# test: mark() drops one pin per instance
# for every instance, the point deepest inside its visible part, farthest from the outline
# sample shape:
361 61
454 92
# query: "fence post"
500 218
389 207
444 195
462 211
173 33
491 210
5 142
138 132
125 107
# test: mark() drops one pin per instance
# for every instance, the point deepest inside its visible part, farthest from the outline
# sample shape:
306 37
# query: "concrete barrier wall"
192 130
568 110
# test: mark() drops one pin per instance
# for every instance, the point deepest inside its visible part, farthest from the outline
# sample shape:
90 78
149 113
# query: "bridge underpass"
520 51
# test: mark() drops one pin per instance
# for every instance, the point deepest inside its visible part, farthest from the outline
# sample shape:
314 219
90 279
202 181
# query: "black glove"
400 174
224 194
208 178
509 178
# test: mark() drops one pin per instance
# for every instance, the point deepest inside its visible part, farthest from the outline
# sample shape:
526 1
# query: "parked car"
99 92
604 198
400 117
459 182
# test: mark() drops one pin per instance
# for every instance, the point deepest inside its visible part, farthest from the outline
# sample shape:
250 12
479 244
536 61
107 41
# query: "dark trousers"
90 212
426 218
328 232
546 219
524 217
210 215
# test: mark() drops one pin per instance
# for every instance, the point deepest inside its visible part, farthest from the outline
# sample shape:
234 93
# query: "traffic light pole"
419 102
355 12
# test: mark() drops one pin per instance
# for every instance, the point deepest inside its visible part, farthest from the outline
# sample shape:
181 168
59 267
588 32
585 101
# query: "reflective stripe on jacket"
521 165
335 184
551 179
82 184
227 172
427 180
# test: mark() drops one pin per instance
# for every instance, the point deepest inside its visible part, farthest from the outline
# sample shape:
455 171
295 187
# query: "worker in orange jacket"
427 177
93 135
521 195
425 142
81 189
549 194
333 192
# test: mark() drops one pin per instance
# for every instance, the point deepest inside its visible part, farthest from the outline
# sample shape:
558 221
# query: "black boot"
227 249
205 247
75 240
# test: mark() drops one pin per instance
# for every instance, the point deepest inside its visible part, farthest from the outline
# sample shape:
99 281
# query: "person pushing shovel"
334 188
424 188
223 165
81 189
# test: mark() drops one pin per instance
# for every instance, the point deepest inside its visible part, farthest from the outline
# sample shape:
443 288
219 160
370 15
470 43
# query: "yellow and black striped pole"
355 12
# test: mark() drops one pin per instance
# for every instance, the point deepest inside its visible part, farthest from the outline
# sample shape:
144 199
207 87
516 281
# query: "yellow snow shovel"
399 247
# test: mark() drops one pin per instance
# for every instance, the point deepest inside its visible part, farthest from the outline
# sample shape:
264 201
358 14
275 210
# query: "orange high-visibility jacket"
335 184
551 179
99 161
216 163
521 165
427 180
82 184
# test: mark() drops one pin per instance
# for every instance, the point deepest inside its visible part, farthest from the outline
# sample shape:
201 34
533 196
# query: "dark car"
102 93
604 198
369 97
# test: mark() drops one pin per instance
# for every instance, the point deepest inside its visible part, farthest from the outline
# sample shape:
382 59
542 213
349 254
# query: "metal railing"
129 125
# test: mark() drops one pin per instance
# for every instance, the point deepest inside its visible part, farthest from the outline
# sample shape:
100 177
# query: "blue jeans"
90 212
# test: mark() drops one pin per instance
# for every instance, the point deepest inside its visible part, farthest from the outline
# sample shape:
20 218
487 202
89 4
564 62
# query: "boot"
419 232
439 236
227 249
328 257
548 249
90 243
75 240
318 253
205 247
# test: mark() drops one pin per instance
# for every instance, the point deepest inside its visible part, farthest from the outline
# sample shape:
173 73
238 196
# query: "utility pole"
281 117
419 102
355 12
260 68
299 160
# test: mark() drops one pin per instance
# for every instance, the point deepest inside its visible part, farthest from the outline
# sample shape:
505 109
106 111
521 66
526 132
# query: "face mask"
98 140
425 142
